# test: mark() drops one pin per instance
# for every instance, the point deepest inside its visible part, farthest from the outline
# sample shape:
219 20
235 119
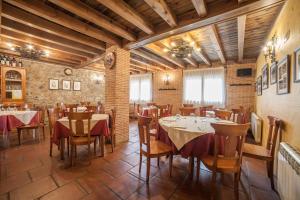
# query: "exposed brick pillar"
117 92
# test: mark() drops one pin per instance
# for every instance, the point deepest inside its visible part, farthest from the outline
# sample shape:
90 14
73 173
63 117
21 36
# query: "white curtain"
204 86
140 88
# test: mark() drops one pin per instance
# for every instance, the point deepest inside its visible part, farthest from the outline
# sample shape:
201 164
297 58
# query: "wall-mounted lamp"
271 46
98 78
166 79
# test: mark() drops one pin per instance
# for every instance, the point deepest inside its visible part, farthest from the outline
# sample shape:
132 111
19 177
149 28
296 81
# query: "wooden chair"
237 116
163 110
186 111
151 104
92 109
53 116
113 128
229 161
203 109
266 153
78 135
170 108
151 148
187 105
223 114
35 126
153 114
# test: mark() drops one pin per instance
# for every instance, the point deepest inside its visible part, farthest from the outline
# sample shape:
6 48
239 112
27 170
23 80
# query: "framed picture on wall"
265 77
66 85
283 76
273 73
259 86
297 65
53 84
76 86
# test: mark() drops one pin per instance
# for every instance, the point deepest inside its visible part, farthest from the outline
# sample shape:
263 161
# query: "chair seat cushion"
256 151
224 165
82 140
158 147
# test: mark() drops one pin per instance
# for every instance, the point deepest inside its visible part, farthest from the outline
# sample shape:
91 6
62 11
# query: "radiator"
256 127
288 174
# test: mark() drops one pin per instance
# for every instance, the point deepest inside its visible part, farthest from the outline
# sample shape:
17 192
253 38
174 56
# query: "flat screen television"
244 72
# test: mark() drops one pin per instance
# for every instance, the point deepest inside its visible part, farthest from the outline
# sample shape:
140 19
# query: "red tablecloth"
198 147
10 122
60 131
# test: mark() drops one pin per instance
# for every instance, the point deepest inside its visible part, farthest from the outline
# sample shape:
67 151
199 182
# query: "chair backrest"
203 109
151 104
237 115
232 138
113 120
187 105
186 111
41 113
170 108
275 126
92 109
76 123
153 113
163 110
223 114
144 131
137 108
53 116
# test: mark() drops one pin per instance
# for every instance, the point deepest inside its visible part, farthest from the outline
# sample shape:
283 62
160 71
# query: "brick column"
117 92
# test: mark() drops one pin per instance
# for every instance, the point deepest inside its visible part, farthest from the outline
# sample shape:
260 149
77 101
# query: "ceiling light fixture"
180 48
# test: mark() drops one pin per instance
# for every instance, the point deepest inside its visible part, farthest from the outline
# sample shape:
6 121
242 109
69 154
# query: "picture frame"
66 85
76 85
273 73
297 65
283 76
53 84
265 77
259 86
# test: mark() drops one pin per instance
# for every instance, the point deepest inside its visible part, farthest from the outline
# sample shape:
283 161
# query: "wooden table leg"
191 166
62 148
102 145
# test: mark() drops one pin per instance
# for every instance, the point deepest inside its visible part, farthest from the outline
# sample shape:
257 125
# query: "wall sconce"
166 79
269 49
98 78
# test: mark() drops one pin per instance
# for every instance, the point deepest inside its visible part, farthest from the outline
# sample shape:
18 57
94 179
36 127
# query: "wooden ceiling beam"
21 37
53 53
128 13
135 70
39 8
191 61
147 68
142 62
220 12
91 61
159 51
197 49
34 21
45 36
200 7
153 58
163 10
241 20
215 39
97 18
59 61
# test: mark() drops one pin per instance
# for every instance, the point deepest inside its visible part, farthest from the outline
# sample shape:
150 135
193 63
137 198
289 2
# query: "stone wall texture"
37 89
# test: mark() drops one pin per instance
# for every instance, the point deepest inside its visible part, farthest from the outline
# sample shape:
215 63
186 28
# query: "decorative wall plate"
68 71
109 60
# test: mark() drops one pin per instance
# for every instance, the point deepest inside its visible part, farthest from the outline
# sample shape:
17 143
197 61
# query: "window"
206 86
140 88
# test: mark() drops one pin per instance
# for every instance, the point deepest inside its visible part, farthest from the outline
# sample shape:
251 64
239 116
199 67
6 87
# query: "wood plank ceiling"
77 32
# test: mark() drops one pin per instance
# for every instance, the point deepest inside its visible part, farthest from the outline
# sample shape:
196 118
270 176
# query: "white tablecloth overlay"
95 119
24 116
185 129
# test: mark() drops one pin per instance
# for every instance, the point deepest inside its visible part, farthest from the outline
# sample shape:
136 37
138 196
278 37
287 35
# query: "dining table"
189 136
99 127
11 119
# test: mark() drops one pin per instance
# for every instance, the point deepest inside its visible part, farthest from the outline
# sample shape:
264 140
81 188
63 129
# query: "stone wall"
37 89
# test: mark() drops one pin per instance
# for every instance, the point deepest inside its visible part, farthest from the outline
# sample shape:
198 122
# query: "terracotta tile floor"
27 172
